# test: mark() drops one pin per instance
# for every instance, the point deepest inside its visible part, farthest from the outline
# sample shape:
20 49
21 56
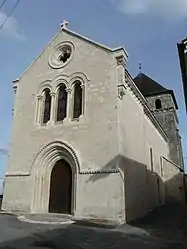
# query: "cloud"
11 28
172 9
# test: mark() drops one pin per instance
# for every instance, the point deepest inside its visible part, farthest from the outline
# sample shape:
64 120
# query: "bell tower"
163 104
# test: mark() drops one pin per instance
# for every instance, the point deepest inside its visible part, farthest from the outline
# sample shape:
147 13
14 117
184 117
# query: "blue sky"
148 29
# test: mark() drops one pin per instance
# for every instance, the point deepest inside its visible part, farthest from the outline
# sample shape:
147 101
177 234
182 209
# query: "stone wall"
137 135
174 181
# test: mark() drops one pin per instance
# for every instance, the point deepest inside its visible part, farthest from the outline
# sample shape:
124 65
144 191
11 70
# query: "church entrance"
61 188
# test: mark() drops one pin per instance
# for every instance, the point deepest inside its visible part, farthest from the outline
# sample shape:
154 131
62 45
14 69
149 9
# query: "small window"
62 103
47 106
77 108
158 104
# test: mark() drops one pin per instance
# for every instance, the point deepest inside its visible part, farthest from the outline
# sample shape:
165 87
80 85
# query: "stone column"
39 110
83 98
53 108
69 106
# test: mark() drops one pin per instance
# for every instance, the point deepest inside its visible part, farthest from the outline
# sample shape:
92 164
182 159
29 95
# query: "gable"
60 36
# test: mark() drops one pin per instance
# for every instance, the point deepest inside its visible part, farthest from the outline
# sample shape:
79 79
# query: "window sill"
65 122
75 119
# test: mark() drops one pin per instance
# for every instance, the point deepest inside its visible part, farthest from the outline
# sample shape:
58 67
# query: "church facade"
86 140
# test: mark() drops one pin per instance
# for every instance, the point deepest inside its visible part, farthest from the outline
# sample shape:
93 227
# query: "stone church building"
89 140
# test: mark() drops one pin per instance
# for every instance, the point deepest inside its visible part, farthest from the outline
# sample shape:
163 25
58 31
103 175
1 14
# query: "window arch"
158 104
47 106
77 100
62 103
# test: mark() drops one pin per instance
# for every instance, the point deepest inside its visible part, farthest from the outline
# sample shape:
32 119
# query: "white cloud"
173 9
11 27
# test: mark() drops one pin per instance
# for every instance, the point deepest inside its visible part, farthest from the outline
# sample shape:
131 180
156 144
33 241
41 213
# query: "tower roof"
149 87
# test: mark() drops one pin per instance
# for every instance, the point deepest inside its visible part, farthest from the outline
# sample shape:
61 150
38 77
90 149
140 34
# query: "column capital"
52 94
68 90
39 97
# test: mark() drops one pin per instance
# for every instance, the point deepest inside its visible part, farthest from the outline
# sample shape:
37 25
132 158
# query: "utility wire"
8 16
4 1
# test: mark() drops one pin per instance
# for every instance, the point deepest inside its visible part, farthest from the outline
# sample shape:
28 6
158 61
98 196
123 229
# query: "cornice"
91 172
83 172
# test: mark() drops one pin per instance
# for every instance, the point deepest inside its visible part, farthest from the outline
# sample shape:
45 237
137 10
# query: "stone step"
48 218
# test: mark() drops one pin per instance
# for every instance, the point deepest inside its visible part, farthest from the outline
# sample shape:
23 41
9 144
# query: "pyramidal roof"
149 87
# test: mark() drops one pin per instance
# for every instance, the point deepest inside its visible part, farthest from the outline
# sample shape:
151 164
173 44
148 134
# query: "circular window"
62 55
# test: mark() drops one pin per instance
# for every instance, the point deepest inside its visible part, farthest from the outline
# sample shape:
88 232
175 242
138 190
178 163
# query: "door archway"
43 165
60 188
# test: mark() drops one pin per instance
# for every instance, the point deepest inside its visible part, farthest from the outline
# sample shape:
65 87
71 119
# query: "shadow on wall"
112 165
1 199
145 190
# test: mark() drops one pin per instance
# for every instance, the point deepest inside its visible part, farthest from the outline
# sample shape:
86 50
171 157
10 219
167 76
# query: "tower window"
158 104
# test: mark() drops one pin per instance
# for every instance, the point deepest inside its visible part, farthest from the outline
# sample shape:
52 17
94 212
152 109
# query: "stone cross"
64 24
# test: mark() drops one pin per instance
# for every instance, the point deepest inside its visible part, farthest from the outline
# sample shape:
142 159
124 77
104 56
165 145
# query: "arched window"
77 107
62 103
47 106
158 104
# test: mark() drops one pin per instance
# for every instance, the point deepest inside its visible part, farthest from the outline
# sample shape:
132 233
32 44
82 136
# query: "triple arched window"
55 106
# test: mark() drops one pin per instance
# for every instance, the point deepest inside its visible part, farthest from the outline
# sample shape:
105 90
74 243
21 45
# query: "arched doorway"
61 188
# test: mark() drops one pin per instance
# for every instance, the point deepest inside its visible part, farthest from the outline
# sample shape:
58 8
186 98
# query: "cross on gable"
64 24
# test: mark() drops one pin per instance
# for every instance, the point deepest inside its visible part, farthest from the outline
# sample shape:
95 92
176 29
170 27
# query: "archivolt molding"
61 79
78 76
54 84
43 85
48 150
42 166
47 154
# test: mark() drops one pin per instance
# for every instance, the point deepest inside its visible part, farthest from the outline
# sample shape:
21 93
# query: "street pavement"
163 228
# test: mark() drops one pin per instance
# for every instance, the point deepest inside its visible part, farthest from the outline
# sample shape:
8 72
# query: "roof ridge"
152 80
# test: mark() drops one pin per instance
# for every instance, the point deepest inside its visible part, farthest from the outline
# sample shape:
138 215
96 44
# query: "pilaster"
121 63
68 107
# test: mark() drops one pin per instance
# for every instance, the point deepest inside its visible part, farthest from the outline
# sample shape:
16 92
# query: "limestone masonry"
90 141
